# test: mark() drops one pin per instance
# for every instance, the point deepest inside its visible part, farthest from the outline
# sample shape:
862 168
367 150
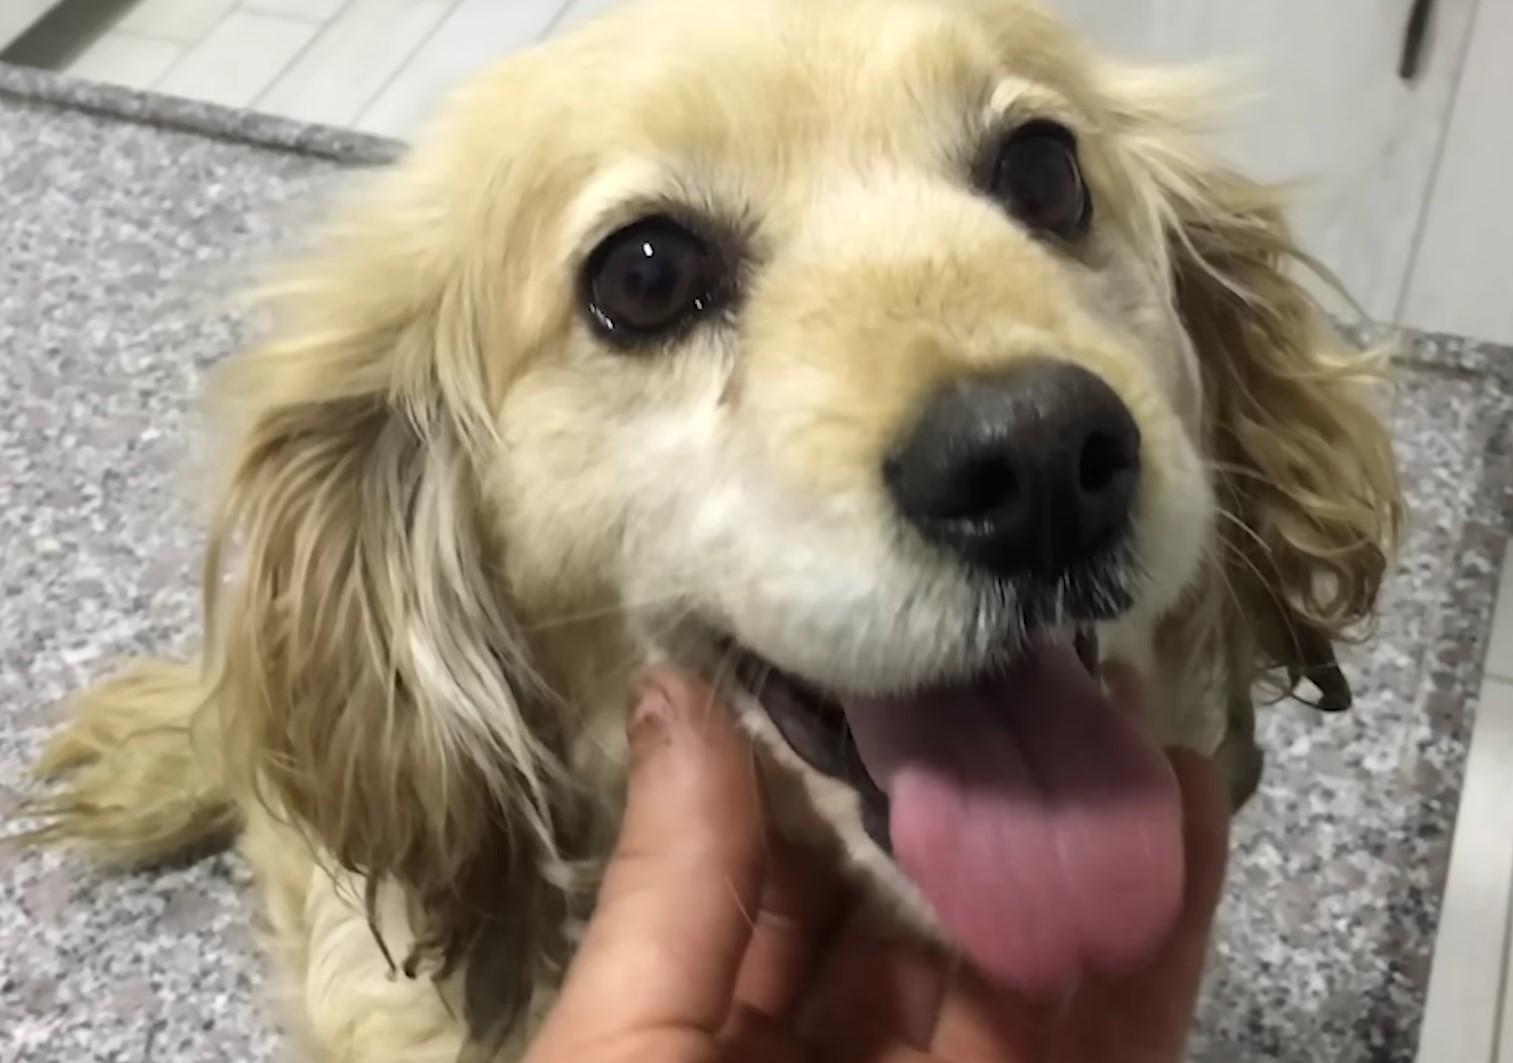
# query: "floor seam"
1431 186
383 86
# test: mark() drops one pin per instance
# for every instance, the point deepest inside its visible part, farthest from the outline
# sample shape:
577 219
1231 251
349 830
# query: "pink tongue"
1039 821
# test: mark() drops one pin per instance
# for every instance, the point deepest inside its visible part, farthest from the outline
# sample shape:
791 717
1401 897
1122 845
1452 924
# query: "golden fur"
453 526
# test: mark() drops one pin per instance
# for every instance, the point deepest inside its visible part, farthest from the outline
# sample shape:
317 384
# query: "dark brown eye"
1037 177
649 278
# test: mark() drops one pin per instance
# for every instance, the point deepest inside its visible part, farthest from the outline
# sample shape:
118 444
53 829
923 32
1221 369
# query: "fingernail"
1187 753
1125 687
649 715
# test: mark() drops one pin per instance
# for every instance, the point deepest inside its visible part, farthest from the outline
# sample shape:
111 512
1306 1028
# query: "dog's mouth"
1040 823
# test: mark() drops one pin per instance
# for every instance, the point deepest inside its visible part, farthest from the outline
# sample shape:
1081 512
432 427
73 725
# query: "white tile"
17 16
580 11
185 21
238 60
1461 281
1500 643
1504 1048
352 59
125 59
474 35
309 10
1329 110
1461 1016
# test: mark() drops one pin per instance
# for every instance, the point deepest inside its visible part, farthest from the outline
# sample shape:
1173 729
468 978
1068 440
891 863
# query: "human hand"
711 943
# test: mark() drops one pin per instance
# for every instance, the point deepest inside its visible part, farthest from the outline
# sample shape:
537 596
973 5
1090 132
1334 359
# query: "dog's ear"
1303 466
374 688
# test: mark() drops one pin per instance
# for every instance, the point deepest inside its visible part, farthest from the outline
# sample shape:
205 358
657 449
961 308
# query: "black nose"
1028 471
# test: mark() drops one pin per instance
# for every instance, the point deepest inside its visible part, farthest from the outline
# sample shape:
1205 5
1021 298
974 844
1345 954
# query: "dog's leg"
139 785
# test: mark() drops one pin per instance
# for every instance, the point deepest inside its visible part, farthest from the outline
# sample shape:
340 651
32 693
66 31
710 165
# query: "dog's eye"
1037 177
650 277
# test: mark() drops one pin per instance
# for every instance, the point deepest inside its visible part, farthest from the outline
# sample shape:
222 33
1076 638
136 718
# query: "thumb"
674 913
1145 1018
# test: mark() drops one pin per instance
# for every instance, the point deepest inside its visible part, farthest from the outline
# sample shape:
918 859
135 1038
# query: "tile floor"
378 65
374 65
1470 1009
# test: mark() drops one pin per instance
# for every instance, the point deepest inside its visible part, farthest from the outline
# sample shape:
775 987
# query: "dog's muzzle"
1033 813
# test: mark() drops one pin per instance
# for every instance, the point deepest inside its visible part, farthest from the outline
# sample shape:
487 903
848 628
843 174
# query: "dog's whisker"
1239 525
631 606
636 656
1246 561
721 675
1231 469
1269 585
1222 571
619 610
746 913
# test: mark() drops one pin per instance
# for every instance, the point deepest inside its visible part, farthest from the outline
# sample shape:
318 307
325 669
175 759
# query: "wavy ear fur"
375 690
1306 479
1304 468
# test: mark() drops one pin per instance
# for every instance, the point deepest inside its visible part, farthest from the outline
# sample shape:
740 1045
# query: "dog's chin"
1031 814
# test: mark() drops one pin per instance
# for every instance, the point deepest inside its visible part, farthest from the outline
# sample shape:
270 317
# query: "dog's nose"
1028 471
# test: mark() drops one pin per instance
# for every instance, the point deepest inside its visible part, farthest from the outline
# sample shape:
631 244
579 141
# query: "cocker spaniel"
891 363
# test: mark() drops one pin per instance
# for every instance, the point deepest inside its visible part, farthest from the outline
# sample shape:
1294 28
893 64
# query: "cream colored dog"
888 361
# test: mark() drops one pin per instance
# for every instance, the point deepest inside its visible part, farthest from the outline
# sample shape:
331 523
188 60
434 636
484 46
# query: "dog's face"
880 358
857 353
859 371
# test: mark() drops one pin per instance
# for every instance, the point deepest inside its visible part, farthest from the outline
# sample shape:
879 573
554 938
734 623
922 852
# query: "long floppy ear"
374 689
1304 469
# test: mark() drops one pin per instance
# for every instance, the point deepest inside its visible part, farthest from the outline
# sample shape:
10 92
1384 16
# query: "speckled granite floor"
125 221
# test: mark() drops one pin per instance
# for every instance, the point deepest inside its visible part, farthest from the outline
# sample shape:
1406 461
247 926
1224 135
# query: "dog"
892 364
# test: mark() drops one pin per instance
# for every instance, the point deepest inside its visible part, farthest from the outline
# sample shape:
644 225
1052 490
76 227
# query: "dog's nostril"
980 487
1104 457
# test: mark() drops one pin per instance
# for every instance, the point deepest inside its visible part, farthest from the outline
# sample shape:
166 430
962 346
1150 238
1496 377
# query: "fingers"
980 1023
802 900
875 989
675 911
1145 1018
753 1036
702 937
1140 1019
1205 811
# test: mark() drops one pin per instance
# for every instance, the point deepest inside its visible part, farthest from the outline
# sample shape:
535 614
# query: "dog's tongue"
1037 818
